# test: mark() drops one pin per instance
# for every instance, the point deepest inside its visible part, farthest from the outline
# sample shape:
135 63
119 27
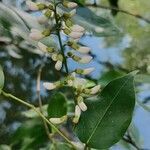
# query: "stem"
119 10
59 39
8 95
40 102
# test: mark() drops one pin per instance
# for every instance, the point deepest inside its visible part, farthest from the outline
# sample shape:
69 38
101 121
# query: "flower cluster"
64 24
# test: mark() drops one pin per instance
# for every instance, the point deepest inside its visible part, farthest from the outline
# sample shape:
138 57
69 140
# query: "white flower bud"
82 105
54 56
77 114
95 89
73 12
42 47
42 19
70 83
84 49
85 59
58 120
58 65
75 35
71 5
99 29
36 34
32 6
88 70
49 86
77 28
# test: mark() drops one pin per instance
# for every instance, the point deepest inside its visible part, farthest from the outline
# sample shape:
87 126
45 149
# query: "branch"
129 140
8 95
119 10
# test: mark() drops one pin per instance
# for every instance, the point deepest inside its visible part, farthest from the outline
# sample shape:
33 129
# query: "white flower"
42 47
85 59
54 56
71 5
79 83
58 65
36 34
77 114
70 83
84 49
82 105
99 29
88 70
77 28
75 35
73 12
42 19
32 5
58 120
95 89
49 86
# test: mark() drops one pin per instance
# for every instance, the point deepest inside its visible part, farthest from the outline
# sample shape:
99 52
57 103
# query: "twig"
8 95
40 102
119 10
129 140
60 41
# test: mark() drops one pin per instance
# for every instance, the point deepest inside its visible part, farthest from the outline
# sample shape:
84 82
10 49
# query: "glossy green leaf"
108 117
109 76
1 78
57 106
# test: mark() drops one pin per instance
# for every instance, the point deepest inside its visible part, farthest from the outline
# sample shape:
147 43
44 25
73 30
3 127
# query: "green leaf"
98 25
1 78
108 117
30 135
57 106
109 76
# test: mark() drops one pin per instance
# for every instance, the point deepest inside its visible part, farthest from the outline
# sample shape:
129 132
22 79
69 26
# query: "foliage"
109 112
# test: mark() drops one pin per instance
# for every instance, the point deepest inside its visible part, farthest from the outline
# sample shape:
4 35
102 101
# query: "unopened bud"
85 59
81 104
70 4
32 5
84 49
85 71
49 86
54 56
77 114
95 89
42 47
58 65
36 34
35 6
76 35
58 120
77 28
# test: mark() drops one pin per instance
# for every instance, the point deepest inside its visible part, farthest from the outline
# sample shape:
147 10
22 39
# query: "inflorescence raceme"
63 24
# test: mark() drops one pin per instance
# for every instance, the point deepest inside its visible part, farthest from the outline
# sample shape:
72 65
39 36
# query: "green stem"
59 39
40 114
